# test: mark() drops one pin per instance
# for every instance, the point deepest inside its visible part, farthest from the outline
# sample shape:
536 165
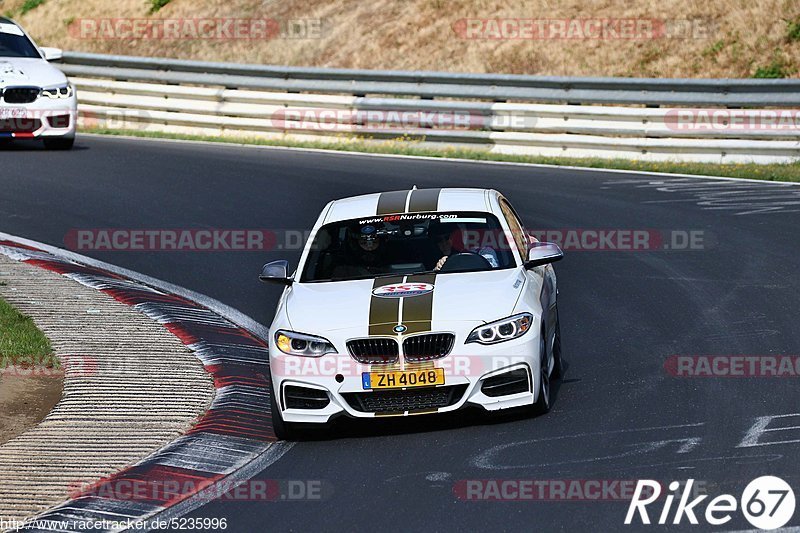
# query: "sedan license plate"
11 112
403 378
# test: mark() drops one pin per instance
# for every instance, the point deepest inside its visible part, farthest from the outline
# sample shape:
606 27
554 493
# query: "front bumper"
43 118
339 377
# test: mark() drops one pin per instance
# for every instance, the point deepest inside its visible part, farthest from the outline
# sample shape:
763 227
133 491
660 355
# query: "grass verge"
31 378
21 340
774 171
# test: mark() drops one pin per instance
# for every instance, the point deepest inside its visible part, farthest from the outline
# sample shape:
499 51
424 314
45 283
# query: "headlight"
502 330
61 91
293 343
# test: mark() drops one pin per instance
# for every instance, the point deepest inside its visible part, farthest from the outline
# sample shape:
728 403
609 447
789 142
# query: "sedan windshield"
13 43
405 244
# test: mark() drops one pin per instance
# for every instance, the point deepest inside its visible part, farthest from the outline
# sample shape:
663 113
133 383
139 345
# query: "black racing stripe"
392 202
383 312
418 310
424 200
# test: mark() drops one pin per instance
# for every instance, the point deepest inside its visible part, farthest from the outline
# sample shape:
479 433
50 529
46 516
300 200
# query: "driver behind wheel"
365 255
442 236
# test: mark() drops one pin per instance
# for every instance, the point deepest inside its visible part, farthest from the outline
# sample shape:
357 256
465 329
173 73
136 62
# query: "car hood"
29 71
454 301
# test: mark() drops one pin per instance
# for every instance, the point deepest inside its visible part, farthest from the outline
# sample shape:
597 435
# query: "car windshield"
14 43
405 244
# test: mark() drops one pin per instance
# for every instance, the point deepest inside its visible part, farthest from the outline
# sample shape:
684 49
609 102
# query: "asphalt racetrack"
718 277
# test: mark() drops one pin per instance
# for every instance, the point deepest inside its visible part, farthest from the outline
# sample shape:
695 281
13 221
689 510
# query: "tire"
283 430
558 362
542 405
59 143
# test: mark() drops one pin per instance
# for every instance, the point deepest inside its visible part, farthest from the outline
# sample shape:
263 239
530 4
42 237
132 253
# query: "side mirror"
52 54
542 253
276 272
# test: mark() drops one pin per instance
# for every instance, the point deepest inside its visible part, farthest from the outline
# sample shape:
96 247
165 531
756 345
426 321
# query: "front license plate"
403 378
11 112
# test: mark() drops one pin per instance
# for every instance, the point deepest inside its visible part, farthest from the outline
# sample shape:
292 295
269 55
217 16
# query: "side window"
516 228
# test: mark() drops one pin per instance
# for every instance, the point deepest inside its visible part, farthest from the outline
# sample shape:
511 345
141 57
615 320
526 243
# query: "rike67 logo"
767 503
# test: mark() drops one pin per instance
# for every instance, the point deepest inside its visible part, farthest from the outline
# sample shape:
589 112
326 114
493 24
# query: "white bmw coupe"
414 302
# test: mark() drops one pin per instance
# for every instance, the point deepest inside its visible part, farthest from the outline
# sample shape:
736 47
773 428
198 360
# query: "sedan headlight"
292 343
502 330
58 92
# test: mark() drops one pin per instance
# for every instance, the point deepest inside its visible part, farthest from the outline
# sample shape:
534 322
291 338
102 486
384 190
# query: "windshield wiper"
421 272
376 276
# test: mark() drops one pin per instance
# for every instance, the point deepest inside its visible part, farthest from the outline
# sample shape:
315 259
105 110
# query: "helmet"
368 239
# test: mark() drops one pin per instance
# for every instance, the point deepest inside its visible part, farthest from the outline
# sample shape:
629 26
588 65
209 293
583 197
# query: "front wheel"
59 143
542 405
558 363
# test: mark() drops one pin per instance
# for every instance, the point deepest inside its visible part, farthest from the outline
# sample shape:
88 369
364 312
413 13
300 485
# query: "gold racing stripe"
392 202
424 200
418 310
423 411
383 312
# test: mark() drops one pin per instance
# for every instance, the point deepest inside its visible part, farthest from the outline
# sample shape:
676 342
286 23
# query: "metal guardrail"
502 113
494 87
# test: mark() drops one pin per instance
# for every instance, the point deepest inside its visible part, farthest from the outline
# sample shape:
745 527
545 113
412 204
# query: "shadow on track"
32 145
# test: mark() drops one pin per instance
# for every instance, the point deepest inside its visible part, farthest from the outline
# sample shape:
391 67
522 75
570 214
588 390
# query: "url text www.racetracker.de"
155 524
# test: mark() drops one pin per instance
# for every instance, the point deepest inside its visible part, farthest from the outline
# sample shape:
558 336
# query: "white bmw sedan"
36 99
414 302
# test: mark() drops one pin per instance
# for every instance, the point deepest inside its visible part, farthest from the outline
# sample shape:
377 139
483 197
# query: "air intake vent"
508 383
304 398
399 401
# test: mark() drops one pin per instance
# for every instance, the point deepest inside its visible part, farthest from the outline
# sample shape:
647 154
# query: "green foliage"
715 48
156 5
793 29
30 5
777 68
